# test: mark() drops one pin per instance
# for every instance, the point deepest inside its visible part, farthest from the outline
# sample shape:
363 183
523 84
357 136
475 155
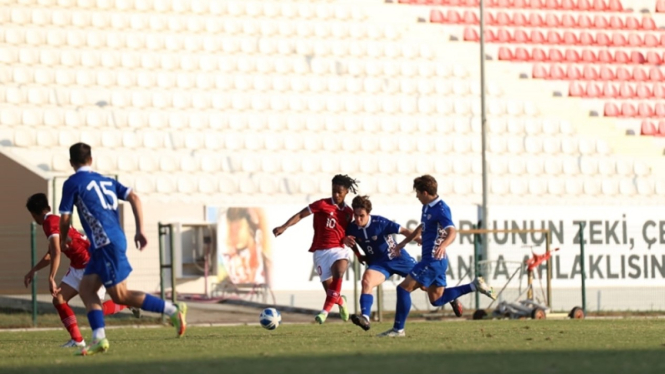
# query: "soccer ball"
270 318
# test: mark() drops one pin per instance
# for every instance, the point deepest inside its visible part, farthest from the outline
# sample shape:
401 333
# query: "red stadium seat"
502 19
662 40
438 2
521 4
615 6
535 19
661 127
505 54
611 110
584 22
643 91
473 3
571 55
539 71
586 38
557 73
622 74
628 110
568 5
592 90
645 110
610 90
521 36
606 74
636 57
640 74
588 56
648 24
551 20
575 89
626 91
452 16
590 73
537 37
660 6
555 55
635 40
616 23
570 38
538 54
659 91
537 4
618 40
521 54
503 36
600 22
573 72
568 21
650 40
605 56
603 39
471 35
632 23
470 17
519 19
659 110
599 5
583 5
490 36
435 16
655 74
454 2
553 37
501 3
647 128
552 4
620 57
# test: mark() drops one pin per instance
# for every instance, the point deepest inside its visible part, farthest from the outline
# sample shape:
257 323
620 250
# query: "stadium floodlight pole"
483 131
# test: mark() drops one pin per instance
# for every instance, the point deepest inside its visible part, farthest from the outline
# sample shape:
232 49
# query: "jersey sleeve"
446 218
391 227
316 207
51 227
67 199
121 191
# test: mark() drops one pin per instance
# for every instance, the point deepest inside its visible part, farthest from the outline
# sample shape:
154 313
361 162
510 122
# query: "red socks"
109 307
69 320
333 294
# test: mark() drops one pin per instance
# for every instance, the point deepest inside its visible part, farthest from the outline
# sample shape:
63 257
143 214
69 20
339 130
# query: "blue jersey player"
375 235
438 232
96 199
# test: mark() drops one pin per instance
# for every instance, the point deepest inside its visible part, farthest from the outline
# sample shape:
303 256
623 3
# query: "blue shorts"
401 265
110 264
430 272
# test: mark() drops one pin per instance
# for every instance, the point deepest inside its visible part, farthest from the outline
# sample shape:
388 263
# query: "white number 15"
109 193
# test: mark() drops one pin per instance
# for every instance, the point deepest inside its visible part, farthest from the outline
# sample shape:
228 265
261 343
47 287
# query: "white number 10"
109 193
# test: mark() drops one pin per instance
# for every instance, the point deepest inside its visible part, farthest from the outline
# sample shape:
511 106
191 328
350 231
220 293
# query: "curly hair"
346 181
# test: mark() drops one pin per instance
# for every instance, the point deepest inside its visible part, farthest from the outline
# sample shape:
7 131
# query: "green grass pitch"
566 346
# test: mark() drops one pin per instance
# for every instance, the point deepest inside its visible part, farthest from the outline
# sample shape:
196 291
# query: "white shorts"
73 278
325 258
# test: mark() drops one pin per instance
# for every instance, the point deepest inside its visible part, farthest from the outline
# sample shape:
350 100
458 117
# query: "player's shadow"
542 361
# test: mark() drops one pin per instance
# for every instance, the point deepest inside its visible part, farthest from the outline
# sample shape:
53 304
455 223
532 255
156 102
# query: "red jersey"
77 249
330 223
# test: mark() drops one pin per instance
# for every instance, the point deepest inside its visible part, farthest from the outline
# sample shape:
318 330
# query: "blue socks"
402 309
366 301
450 294
153 304
96 319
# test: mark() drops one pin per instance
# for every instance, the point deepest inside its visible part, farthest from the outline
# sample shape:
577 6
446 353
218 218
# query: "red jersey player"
77 252
331 257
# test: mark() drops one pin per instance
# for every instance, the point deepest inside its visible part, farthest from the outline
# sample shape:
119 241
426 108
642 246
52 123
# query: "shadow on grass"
573 362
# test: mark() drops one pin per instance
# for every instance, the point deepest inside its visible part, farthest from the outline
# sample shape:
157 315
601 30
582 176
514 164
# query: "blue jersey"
435 219
376 238
96 200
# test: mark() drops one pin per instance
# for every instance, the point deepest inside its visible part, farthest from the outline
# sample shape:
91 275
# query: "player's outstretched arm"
409 238
137 209
54 252
277 231
27 279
